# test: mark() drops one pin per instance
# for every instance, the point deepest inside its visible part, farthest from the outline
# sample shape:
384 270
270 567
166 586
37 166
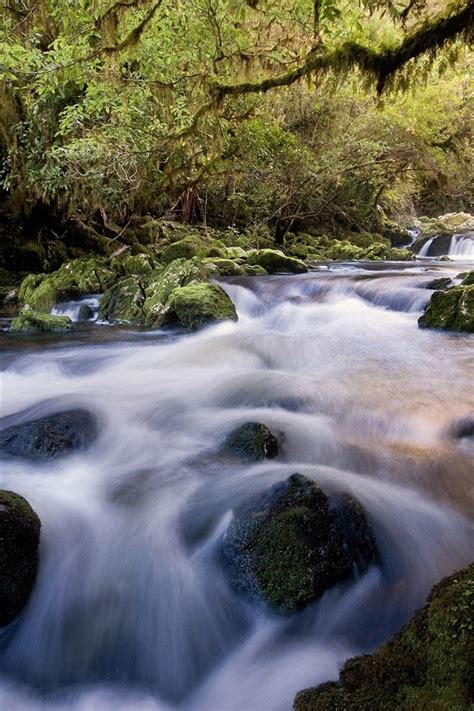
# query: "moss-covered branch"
380 65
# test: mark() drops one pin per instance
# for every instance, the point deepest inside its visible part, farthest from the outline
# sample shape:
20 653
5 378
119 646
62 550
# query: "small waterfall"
85 309
461 247
426 247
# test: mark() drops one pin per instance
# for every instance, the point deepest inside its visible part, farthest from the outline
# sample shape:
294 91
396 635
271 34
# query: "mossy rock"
198 305
20 530
160 284
225 267
124 301
428 665
191 246
134 264
273 261
74 279
252 441
254 270
51 436
439 284
29 321
451 310
290 544
468 279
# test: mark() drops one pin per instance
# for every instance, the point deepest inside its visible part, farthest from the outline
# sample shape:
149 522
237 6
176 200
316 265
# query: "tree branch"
379 65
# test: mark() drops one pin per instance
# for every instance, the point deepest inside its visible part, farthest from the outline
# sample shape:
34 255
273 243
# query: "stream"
132 609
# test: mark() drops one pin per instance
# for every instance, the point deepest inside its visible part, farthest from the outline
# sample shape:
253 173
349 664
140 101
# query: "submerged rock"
29 321
51 436
252 441
85 313
198 305
293 542
463 427
19 556
451 310
439 284
273 260
428 665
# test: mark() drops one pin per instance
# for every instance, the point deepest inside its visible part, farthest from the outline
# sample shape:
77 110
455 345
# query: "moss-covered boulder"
198 305
19 554
252 441
439 284
160 284
428 665
468 278
451 310
273 260
194 245
225 267
72 280
124 301
51 436
449 224
29 321
134 264
293 542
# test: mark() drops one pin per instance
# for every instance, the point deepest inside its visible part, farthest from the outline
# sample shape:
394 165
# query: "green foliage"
156 105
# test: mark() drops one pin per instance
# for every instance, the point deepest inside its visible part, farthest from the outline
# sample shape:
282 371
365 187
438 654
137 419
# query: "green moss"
252 441
73 279
468 278
133 264
124 301
198 305
451 310
225 267
160 284
273 261
29 321
191 246
439 284
428 665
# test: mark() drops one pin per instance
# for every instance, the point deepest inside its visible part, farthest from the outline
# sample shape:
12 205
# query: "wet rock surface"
19 554
50 437
290 544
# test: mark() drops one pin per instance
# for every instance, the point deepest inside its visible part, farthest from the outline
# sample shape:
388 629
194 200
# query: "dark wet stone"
439 284
252 441
51 436
19 544
293 542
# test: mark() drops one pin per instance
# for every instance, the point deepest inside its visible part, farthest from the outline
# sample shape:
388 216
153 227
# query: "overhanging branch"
379 65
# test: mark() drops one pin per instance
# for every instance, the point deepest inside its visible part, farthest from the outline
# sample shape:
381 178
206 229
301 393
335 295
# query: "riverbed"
132 608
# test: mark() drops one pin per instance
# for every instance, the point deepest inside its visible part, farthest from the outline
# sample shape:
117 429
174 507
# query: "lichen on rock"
29 321
428 665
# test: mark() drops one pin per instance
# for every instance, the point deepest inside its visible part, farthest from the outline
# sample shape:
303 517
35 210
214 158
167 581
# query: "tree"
128 105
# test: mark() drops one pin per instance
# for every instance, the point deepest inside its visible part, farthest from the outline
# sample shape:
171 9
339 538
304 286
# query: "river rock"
273 260
124 301
192 246
85 313
252 441
463 427
451 310
51 436
439 284
198 305
19 554
72 280
428 665
29 321
291 543
468 278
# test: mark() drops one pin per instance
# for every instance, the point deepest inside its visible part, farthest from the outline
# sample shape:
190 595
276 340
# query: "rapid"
132 608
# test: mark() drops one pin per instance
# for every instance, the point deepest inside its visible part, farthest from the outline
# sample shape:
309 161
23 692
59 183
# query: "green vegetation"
452 309
29 321
261 115
428 665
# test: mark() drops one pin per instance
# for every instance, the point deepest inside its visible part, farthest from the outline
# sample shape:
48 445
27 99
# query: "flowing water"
132 609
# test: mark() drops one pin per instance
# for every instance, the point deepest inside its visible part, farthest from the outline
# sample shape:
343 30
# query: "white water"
73 308
462 247
132 610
